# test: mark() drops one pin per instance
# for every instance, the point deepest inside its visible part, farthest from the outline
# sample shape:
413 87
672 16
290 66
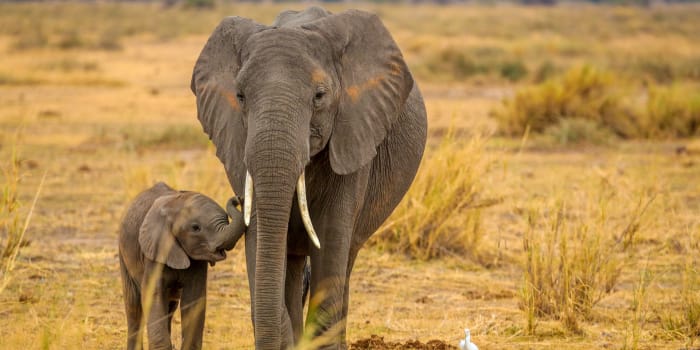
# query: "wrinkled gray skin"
199 232
329 94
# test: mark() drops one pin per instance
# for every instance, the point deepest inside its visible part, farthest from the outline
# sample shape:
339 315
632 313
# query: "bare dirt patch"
376 342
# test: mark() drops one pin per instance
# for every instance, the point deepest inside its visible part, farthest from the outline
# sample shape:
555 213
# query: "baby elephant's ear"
156 237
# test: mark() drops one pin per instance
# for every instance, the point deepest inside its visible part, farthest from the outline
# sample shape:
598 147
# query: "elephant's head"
188 225
313 87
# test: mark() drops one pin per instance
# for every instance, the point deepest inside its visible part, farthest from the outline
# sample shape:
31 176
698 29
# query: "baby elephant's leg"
156 297
132 305
193 306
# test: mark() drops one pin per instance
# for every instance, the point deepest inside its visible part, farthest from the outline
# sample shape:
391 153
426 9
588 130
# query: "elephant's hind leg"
132 305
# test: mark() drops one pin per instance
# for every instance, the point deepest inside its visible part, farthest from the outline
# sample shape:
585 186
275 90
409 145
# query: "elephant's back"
129 247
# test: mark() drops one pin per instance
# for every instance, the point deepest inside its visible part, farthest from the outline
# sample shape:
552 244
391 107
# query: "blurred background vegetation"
556 206
625 72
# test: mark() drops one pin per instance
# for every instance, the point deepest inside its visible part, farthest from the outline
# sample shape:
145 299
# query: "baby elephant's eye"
319 95
196 227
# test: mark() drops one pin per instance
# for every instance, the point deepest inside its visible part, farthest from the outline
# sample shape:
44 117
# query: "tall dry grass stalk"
639 310
571 262
685 324
13 229
441 213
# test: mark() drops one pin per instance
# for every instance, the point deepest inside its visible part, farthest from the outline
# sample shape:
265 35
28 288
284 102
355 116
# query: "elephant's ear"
213 83
376 83
156 237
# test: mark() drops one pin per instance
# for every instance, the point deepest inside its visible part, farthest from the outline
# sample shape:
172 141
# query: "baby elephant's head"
188 225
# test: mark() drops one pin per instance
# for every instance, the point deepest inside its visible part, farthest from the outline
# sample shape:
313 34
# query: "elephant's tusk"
248 200
304 209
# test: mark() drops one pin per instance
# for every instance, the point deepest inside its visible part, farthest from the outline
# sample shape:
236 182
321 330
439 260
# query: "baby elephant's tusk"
304 209
248 199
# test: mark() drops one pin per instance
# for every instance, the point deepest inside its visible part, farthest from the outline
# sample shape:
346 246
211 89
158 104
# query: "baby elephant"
166 239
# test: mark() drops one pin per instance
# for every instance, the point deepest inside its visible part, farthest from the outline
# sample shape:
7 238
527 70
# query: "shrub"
32 37
671 112
171 137
200 4
109 39
585 93
513 70
545 71
441 213
453 63
686 324
70 39
573 131
570 264
576 248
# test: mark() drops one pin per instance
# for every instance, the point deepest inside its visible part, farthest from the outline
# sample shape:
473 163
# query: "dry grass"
587 104
572 261
441 213
105 123
14 219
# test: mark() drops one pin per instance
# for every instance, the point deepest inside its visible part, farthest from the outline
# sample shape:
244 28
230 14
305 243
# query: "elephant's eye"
318 97
240 97
196 227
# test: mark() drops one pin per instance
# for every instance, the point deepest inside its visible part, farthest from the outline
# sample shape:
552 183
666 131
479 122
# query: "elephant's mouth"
219 255
303 206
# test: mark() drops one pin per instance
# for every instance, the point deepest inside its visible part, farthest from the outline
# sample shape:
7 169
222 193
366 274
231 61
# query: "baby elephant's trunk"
228 235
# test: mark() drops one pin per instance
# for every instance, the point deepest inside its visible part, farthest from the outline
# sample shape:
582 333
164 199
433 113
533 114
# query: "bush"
573 131
455 63
686 324
513 70
441 213
589 105
71 39
171 137
576 248
671 112
109 39
200 4
545 71
569 266
32 38
584 93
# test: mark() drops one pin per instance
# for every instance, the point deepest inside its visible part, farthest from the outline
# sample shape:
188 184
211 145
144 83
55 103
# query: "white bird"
466 343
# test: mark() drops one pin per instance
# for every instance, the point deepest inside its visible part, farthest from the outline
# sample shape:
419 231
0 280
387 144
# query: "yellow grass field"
606 236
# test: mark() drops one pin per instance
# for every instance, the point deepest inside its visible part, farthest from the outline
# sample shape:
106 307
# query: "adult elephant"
325 104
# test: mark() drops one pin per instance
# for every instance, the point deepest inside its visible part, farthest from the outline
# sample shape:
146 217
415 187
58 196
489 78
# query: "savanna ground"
576 232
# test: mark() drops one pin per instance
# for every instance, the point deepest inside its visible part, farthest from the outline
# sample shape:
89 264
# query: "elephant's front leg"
194 305
329 265
154 296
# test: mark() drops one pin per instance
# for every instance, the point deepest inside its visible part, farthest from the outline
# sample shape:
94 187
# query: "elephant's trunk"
275 160
227 235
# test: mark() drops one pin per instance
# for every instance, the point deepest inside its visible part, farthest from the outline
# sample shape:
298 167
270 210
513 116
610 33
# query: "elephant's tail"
306 281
